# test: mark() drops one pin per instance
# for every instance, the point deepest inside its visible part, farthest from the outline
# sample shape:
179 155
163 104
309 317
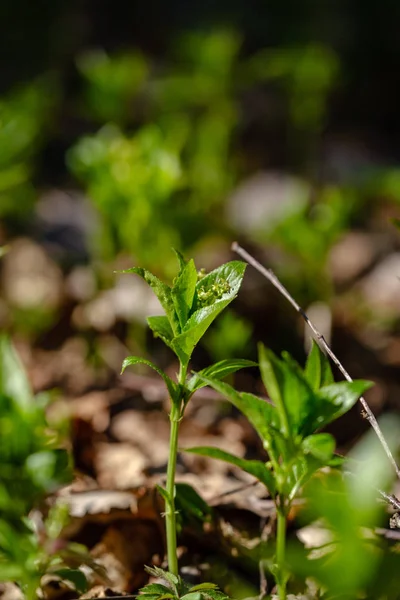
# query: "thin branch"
367 412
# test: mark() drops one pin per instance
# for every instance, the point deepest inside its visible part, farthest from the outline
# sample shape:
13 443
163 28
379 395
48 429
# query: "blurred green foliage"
24 116
355 561
33 464
159 186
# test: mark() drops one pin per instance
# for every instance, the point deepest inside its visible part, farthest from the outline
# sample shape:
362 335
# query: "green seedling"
354 561
176 589
302 402
190 305
33 465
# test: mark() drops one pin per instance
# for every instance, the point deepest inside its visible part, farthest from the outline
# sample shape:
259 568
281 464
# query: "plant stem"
280 553
170 515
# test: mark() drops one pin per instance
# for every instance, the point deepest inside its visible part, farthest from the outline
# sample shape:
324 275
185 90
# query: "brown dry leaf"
120 466
148 431
125 548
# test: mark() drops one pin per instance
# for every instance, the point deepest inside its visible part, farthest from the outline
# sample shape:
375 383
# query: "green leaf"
161 328
76 576
183 292
170 578
288 389
10 571
320 445
214 292
221 284
219 370
254 467
336 399
181 260
173 388
13 380
184 344
203 586
261 414
163 293
188 501
191 596
318 371
154 589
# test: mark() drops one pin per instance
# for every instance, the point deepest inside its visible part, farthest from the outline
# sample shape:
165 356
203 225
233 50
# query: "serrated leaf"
154 589
161 328
183 292
288 389
218 371
253 467
173 388
191 596
76 576
318 371
184 344
214 595
170 578
13 380
320 445
163 293
203 586
336 399
181 260
227 279
230 274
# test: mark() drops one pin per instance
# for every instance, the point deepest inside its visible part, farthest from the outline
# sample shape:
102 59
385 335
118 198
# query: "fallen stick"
367 412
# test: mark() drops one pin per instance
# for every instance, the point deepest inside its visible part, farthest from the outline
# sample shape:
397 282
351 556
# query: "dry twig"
367 412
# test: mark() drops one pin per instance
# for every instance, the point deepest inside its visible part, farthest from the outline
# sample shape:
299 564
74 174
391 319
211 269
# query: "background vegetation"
126 130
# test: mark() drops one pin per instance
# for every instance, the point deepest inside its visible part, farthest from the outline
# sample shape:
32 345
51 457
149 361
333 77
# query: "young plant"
302 402
32 466
190 305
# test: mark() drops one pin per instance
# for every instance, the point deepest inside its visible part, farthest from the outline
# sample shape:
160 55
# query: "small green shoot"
302 402
191 304
33 464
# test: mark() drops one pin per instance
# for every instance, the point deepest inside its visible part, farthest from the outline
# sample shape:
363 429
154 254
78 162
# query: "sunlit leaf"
134 360
336 399
155 589
181 260
219 370
183 292
253 467
319 445
161 328
203 586
261 414
290 392
13 380
191 596
214 292
318 371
